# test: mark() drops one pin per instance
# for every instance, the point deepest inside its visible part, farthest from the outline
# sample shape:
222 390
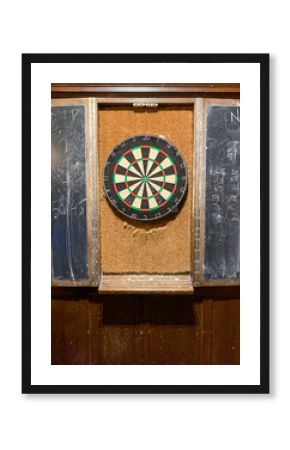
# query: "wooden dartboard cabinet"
145 297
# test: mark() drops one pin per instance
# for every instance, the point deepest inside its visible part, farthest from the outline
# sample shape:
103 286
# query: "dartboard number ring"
145 178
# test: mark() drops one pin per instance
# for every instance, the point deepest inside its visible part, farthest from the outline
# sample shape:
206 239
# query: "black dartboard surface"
145 177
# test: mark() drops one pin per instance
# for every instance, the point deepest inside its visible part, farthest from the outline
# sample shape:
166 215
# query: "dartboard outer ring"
145 178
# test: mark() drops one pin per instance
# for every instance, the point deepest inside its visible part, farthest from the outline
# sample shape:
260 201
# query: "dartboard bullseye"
145 178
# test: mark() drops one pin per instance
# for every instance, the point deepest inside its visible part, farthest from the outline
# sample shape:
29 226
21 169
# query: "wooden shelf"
146 283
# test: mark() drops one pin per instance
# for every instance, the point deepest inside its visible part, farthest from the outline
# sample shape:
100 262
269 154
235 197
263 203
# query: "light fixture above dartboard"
145 177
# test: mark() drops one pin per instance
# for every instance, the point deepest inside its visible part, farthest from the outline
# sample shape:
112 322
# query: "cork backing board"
157 247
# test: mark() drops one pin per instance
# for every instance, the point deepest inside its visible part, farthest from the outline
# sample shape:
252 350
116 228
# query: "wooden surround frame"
199 96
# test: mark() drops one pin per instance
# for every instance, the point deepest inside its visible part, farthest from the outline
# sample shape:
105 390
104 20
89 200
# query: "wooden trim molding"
124 88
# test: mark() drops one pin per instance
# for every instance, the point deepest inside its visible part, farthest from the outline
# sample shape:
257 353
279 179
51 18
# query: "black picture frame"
263 61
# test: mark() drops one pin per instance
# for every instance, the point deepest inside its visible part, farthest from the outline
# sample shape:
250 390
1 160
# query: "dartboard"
145 177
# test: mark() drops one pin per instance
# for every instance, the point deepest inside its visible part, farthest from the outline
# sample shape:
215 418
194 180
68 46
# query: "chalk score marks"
68 194
222 202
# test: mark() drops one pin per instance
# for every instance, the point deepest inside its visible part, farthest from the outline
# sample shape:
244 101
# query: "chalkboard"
68 194
222 209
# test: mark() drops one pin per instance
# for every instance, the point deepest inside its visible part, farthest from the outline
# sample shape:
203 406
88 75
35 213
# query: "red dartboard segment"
145 174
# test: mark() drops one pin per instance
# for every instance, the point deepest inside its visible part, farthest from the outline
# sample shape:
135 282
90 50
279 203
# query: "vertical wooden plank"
95 335
117 330
70 332
95 203
200 188
122 344
172 334
206 332
226 332
197 177
173 344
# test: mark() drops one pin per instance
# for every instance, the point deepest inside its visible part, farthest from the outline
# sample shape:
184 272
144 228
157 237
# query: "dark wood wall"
88 328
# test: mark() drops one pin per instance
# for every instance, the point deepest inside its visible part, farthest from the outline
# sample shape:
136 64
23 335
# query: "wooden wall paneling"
91 197
220 331
206 332
95 311
173 344
122 344
225 332
142 329
70 337
172 330
117 331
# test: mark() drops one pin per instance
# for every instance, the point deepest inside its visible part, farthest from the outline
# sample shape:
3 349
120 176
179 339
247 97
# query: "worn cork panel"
134 247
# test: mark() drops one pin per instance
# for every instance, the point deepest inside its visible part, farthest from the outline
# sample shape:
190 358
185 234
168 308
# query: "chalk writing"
68 193
222 211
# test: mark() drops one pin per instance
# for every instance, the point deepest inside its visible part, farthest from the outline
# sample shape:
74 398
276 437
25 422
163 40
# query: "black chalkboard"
222 209
68 194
